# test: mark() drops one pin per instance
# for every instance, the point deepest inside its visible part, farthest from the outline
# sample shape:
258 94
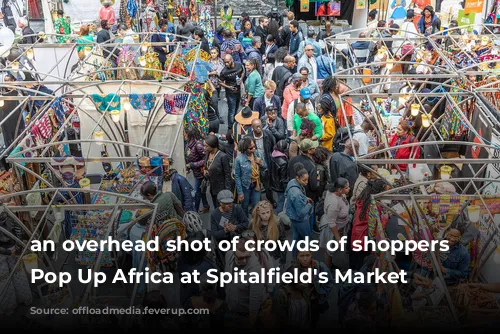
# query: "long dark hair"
329 84
193 134
372 187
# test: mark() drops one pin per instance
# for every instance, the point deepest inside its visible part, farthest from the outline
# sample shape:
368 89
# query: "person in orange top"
291 93
324 108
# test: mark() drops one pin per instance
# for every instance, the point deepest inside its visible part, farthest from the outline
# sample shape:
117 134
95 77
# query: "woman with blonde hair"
267 226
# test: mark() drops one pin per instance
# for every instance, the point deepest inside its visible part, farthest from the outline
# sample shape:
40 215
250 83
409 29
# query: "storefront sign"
473 6
304 5
465 19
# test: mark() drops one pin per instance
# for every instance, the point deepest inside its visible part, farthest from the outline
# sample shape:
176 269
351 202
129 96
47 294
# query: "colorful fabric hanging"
206 25
176 64
200 71
142 101
175 104
165 231
132 8
372 220
106 103
59 110
196 113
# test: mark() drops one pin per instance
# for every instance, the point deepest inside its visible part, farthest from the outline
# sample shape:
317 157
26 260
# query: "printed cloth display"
59 109
193 13
226 15
62 26
191 55
126 61
175 104
106 103
200 71
132 8
42 129
149 18
165 231
176 64
205 23
196 113
399 10
124 15
142 101
153 63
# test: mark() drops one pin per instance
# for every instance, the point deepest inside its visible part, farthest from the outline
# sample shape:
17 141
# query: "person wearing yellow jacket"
324 109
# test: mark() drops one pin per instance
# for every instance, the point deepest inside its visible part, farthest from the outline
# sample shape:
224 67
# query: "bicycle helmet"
193 222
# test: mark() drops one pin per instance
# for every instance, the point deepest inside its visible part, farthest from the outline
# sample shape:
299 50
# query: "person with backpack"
282 74
232 47
182 189
342 164
279 170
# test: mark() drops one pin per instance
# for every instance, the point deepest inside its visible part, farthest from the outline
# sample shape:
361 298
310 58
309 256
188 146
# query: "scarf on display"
59 109
196 113
106 103
142 101
174 104
205 24
200 71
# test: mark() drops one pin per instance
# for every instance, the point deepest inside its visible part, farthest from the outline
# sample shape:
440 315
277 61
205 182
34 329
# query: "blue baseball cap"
305 93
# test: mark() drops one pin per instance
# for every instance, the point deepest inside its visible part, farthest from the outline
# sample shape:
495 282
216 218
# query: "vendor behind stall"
456 266
404 136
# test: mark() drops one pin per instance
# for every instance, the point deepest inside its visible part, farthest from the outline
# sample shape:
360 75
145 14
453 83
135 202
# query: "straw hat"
246 116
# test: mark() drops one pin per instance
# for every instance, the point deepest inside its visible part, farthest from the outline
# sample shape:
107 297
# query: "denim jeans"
300 230
199 196
233 102
250 195
281 202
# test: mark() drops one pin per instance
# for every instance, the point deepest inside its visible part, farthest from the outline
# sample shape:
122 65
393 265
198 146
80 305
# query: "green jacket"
318 130
253 84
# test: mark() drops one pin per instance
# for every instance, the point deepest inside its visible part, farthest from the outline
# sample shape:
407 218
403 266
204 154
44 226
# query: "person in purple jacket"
196 160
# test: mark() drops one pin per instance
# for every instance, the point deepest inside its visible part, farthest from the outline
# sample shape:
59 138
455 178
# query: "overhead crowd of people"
285 168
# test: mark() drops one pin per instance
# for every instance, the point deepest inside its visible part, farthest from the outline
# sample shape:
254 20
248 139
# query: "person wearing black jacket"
307 148
282 74
264 141
279 170
217 168
103 37
28 33
262 32
228 219
199 35
274 123
7 16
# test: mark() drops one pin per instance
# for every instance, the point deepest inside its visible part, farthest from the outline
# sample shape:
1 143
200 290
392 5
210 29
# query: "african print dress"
62 27
205 24
126 61
196 113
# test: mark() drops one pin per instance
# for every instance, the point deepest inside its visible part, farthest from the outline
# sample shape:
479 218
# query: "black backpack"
341 137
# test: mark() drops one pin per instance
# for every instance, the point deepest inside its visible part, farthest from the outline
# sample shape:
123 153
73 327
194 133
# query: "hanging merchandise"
399 10
175 104
165 231
206 25
200 71
126 62
196 113
360 4
142 101
193 12
226 14
132 8
124 15
106 103
149 18
175 64
153 63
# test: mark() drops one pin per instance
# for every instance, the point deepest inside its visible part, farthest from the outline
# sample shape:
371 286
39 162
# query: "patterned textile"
126 60
193 12
176 64
372 220
153 63
42 128
206 25
62 27
168 230
132 8
200 71
142 101
174 104
191 55
196 113
226 18
59 110
106 103
124 15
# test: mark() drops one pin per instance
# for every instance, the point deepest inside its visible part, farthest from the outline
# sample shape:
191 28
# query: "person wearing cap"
62 27
302 112
243 124
311 39
248 167
228 219
273 123
107 12
269 99
308 60
291 93
305 98
307 148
